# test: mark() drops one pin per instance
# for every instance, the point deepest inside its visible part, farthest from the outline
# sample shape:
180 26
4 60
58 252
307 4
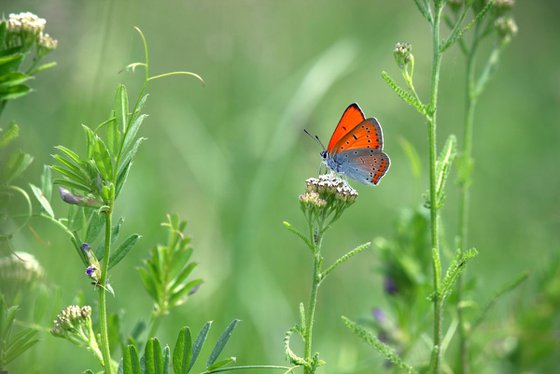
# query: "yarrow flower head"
26 29
73 323
403 55
325 198
26 22
19 272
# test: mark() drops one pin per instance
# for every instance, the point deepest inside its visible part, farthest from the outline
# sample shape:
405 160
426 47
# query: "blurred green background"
231 157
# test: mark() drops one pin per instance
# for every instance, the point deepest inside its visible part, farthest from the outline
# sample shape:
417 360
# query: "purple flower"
85 247
390 286
379 315
90 271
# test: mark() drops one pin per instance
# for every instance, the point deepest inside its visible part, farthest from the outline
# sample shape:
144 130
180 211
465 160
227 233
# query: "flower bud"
402 54
70 198
506 28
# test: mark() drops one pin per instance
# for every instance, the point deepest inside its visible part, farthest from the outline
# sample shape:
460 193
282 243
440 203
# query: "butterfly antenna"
316 138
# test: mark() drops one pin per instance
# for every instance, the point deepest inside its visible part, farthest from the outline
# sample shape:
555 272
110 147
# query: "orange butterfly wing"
367 134
351 117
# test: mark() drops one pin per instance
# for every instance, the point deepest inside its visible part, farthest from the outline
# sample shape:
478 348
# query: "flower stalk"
323 203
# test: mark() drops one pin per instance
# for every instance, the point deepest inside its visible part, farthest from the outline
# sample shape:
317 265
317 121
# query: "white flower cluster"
331 184
21 268
27 23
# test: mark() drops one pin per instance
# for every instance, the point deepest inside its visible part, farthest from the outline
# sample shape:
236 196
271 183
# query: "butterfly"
356 148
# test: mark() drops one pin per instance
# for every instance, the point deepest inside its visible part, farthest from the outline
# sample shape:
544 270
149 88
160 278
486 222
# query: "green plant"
324 201
166 272
12 343
403 260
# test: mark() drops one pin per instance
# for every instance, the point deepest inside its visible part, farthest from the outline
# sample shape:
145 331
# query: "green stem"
464 187
103 294
432 127
317 261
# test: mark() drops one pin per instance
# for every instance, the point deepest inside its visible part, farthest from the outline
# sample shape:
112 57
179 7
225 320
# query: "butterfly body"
356 148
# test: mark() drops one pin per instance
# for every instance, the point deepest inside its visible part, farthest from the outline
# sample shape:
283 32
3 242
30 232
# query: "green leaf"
221 363
12 79
129 156
131 363
20 343
166 354
345 258
503 290
222 341
406 96
149 283
113 136
378 345
72 176
16 164
42 199
43 67
10 63
182 352
149 359
121 108
298 234
96 223
199 342
46 182
102 159
183 275
121 178
425 10
132 131
455 269
158 357
123 250
14 92
88 371
178 296
457 33
8 135
443 167
70 184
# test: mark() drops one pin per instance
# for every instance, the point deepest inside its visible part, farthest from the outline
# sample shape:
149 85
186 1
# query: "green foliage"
12 343
185 354
378 345
166 273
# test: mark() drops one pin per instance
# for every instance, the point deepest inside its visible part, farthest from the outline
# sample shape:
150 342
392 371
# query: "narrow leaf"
14 92
378 345
199 342
182 352
222 341
123 250
221 363
298 234
509 286
42 199
406 96
345 258
455 269
46 182
121 108
12 79
443 166
149 359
